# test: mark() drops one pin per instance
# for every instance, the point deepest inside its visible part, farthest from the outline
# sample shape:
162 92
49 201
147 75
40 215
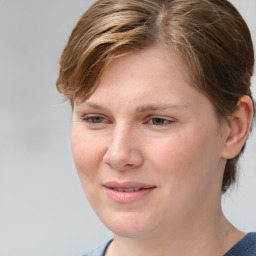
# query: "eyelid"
88 116
170 120
103 120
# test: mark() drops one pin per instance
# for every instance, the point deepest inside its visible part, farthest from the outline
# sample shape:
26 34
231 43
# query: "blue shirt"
100 251
245 247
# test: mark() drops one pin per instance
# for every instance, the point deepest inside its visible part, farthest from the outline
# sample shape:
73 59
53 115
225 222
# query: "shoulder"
100 250
245 247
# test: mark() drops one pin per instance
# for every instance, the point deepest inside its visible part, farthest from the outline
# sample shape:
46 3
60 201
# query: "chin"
128 232
130 225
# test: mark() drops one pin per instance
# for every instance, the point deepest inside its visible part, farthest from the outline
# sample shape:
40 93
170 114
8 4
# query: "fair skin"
146 126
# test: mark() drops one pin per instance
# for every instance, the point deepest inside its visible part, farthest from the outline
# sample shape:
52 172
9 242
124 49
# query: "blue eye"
160 121
94 119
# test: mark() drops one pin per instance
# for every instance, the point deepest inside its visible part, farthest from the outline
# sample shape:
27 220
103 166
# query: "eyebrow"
93 105
145 108
153 107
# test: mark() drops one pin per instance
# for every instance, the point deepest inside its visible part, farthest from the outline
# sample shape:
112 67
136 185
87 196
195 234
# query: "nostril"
123 160
117 164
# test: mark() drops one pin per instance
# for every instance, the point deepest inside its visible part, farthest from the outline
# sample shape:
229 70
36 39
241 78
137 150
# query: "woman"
162 108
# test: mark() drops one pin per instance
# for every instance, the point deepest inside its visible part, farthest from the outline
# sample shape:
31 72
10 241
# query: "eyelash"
164 121
98 120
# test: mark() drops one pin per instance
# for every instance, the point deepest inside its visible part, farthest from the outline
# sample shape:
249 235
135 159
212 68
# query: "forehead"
152 66
146 80
159 58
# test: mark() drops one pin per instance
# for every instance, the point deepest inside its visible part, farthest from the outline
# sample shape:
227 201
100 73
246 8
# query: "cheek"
189 172
87 153
189 159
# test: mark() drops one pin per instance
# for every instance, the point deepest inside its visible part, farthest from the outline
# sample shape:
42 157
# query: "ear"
238 128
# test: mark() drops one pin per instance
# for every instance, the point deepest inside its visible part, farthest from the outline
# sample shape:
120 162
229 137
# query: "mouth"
125 189
127 192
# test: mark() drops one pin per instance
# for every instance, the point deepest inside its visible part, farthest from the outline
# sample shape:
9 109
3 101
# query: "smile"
126 189
127 192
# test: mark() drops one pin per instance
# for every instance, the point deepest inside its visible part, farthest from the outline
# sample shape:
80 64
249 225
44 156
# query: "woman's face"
148 147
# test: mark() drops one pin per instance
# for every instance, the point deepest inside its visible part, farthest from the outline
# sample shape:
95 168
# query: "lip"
142 190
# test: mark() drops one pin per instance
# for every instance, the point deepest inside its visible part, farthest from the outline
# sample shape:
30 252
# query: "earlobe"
239 128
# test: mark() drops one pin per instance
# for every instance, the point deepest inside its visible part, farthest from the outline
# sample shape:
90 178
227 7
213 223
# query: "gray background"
43 210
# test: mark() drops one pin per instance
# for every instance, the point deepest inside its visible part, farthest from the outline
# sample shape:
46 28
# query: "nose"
123 150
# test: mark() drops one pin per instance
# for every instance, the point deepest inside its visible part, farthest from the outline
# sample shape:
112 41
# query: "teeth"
126 189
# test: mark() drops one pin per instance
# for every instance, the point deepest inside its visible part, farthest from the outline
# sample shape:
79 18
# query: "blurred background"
43 210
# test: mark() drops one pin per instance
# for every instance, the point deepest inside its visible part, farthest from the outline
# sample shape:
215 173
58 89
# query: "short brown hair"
210 37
